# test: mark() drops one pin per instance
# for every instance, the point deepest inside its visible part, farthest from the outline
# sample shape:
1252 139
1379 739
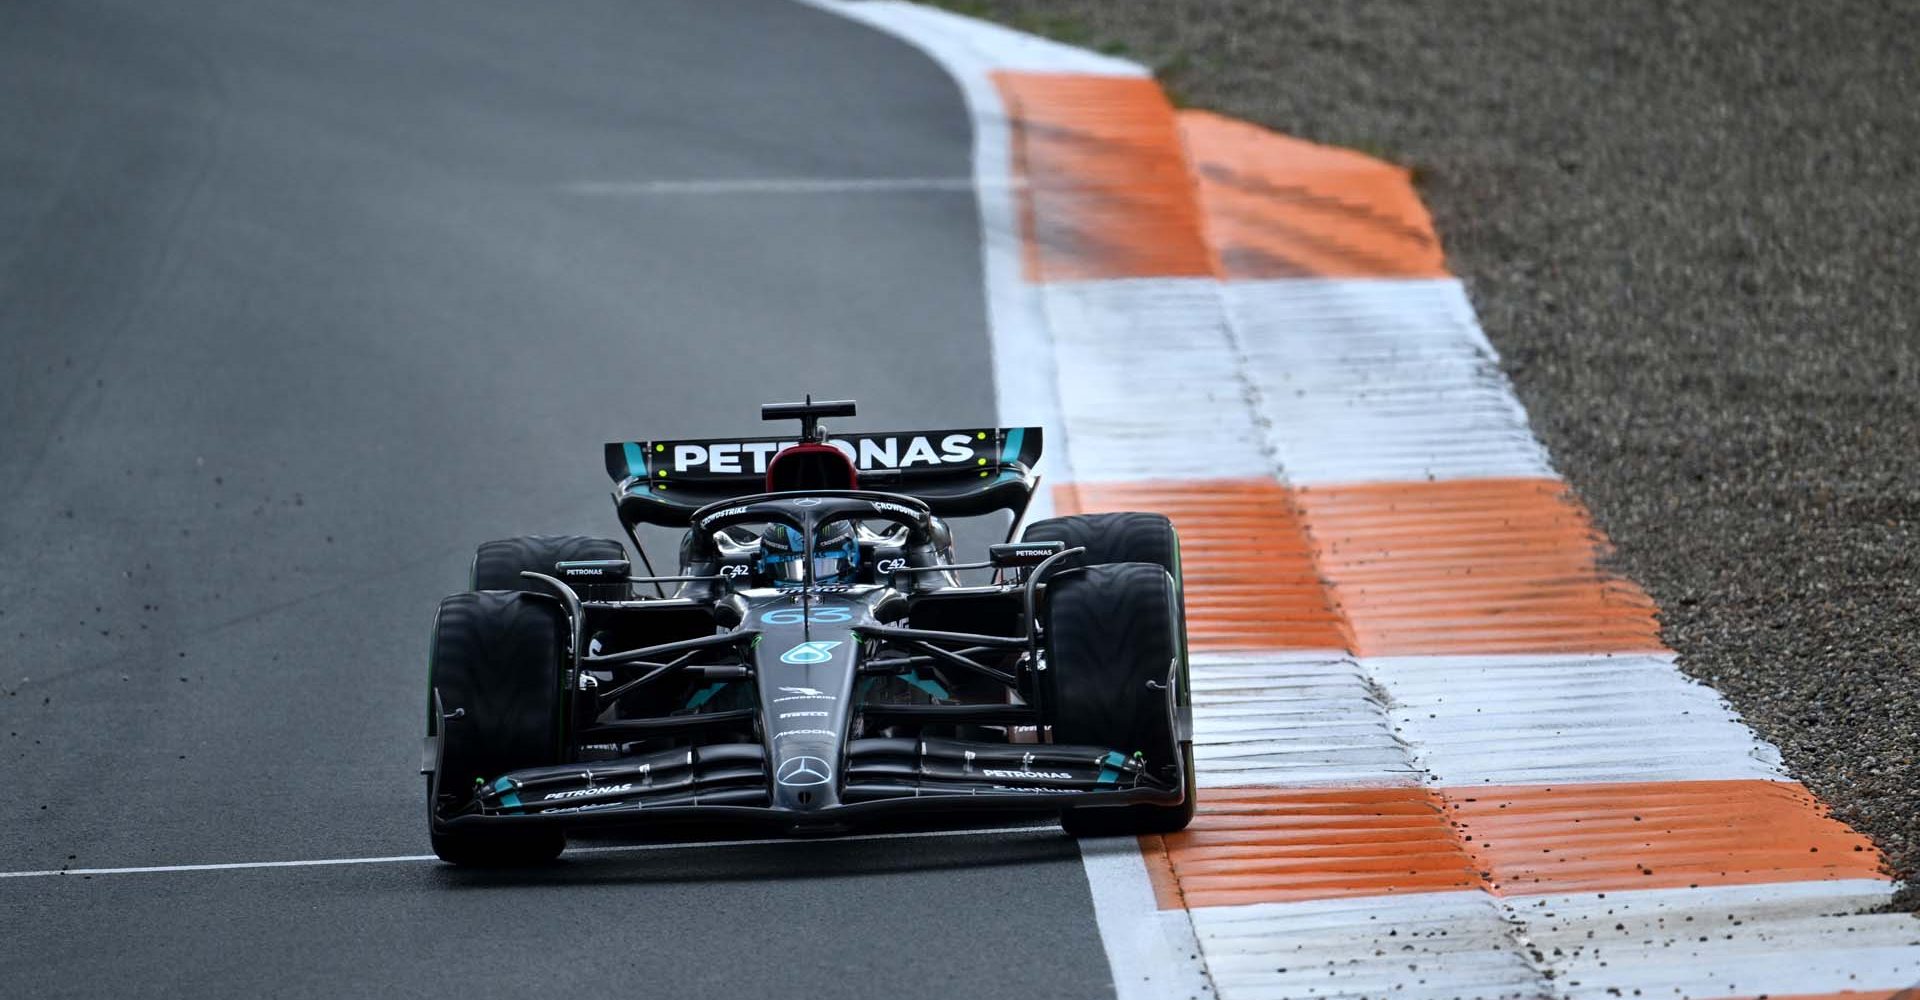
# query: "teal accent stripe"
931 687
636 459
702 697
1011 451
511 799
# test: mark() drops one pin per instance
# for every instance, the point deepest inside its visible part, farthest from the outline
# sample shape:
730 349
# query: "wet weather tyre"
1122 536
498 669
1115 663
497 564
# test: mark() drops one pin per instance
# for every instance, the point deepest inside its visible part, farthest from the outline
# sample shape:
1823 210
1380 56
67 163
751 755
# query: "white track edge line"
609 849
781 185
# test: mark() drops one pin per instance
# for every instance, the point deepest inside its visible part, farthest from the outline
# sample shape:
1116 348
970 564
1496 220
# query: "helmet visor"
834 568
786 571
829 566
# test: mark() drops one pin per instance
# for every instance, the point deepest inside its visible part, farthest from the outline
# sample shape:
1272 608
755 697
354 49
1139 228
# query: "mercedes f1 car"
815 660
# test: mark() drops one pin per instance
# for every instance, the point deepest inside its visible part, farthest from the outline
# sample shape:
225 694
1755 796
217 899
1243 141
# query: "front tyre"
1115 537
1114 658
497 564
498 669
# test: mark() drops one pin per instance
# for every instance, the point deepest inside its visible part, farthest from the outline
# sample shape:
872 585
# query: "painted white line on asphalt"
609 849
227 866
779 185
1153 952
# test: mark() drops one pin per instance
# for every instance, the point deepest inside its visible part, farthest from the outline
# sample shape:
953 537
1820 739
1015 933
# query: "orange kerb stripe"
1251 581
1270 845
1118 186
1107 191
1472 566
1280 207
1266 845
1166 885
1910 993
1655 835
1460 566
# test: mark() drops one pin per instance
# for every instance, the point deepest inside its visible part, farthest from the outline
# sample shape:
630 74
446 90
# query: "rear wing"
959 473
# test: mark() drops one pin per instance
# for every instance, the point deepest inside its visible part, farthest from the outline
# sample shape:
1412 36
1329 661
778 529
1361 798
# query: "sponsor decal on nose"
808 653
802 771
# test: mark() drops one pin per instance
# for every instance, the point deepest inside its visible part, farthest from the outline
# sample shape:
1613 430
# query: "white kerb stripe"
1292 719
1150 385
1555 719
1422 946
1723 941
1375 380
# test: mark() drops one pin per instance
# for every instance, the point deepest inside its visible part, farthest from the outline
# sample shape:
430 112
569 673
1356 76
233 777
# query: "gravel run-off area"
1689 228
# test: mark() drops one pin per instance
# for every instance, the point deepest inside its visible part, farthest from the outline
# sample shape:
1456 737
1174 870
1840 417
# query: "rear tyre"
498 664
1115 664
497 565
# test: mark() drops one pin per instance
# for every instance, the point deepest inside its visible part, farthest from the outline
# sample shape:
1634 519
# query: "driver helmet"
836 554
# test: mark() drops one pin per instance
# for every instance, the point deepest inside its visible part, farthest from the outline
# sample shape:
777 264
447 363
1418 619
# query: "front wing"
884 778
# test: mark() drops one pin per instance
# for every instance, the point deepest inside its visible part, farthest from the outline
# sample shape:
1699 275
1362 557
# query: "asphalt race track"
300 302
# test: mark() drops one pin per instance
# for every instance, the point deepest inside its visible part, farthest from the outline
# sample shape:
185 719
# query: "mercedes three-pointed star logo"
804 771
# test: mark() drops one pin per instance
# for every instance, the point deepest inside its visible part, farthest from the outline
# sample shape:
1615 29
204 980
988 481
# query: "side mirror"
1013 554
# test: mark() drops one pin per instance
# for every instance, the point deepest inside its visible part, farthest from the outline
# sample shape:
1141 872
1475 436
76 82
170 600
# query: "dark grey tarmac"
300 302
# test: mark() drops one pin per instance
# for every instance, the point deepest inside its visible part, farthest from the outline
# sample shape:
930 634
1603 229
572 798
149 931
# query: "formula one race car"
818 662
